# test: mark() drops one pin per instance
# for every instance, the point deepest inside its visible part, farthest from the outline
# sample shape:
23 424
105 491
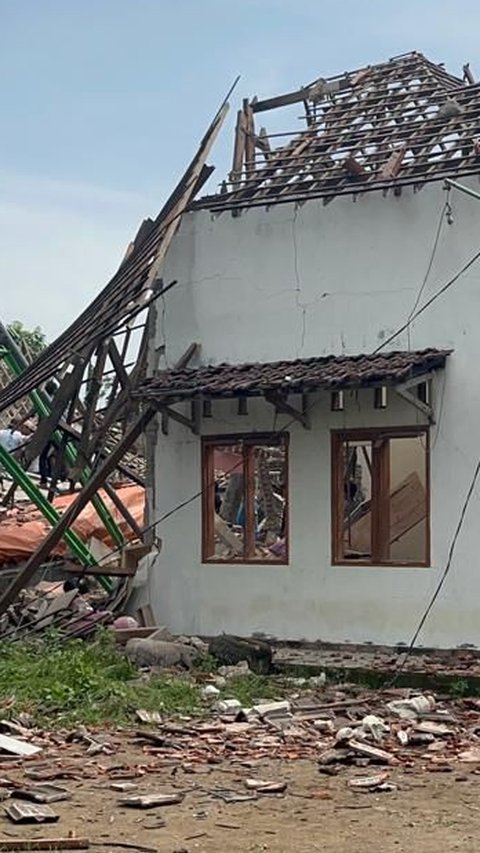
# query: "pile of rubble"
391 729
373 737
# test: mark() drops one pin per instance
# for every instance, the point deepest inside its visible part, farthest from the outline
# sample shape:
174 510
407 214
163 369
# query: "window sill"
380 565
252 562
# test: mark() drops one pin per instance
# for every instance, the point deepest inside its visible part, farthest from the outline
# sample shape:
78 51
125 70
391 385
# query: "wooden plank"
238 148
249 501
407 509
249 141
118 364
27 844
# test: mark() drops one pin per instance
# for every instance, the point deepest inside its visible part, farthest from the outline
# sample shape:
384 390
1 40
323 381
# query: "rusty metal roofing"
405 121
329 372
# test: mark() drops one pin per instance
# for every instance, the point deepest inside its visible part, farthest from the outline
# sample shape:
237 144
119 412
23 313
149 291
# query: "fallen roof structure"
87 352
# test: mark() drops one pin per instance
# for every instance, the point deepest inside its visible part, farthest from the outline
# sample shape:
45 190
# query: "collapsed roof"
405 121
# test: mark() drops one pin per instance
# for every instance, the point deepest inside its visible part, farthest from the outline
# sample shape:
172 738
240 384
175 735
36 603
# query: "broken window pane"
408 500
380 508
244 500
269 502
357 495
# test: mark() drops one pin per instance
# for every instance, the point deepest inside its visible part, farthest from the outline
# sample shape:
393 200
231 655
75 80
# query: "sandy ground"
427 813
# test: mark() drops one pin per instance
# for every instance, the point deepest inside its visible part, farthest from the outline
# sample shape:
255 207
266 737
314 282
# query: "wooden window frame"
380 486
250 440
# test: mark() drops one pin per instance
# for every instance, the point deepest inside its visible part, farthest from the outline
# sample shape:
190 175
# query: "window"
245 499
380 497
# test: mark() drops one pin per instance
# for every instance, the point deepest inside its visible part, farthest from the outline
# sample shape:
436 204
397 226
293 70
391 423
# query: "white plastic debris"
345 733
410 709
267 709
228 706
317 680
374 726
324 725
210 692
402 737
240 668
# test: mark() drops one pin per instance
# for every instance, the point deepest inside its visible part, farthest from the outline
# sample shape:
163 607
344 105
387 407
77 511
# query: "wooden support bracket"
404 391
167 412
279 401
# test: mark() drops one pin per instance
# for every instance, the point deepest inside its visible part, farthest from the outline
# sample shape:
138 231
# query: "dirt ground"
428 812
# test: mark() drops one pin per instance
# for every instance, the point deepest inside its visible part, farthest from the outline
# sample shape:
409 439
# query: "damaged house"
314 371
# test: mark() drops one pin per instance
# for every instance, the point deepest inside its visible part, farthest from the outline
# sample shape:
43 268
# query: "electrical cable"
436 241
429 302
443 577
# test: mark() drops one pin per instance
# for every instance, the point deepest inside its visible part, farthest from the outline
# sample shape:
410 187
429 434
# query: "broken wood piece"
149 801
29 813
263 787
124 787
126 845
372 752
354 168
45 843
367 783
391 168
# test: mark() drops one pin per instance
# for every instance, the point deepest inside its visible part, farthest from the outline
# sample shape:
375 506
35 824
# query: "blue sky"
104 102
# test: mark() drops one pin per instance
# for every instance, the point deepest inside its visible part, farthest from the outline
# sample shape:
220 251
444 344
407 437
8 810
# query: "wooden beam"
422 407
239 148
123 510
187 356
176 416
181 364
118 364
90 488
91 400
249 140
403 390
281 405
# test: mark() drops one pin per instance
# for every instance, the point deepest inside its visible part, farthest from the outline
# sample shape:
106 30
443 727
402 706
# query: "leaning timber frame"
93 416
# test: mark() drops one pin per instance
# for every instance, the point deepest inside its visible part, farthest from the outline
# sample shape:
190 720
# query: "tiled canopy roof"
291 377
404 121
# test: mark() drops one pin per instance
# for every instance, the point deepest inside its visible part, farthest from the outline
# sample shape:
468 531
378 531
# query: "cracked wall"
284 283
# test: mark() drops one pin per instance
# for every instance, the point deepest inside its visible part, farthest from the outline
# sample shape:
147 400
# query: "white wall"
286 283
